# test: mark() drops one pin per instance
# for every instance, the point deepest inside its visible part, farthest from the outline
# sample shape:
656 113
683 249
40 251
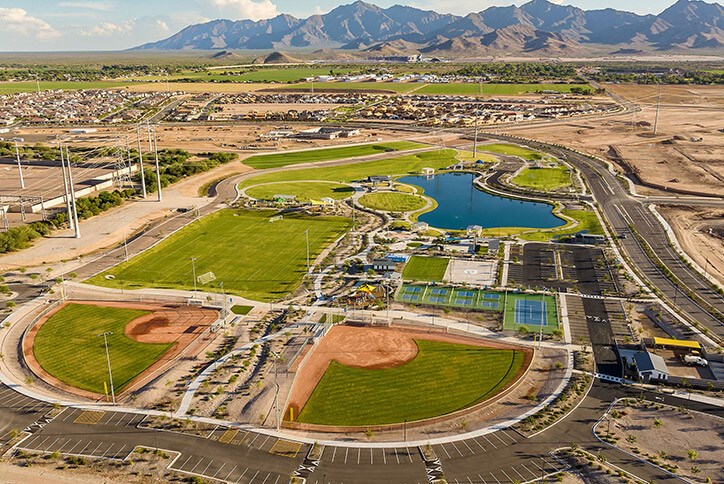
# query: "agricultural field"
543 178
587 221
67 346
17 87
261 162
252 256
470 89
303 190
512 150
430 269
393 202
400 165
448 375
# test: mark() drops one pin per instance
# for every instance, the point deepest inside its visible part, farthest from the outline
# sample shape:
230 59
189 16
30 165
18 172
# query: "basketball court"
479 273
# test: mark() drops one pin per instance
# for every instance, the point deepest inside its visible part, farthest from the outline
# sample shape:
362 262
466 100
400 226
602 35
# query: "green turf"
509 322
399 87
588 221
327 154
543 178
398 165
512 150
447 296
442 378
241 310
250 255
16 87
304 191
68 347
425 268
393 202
499 89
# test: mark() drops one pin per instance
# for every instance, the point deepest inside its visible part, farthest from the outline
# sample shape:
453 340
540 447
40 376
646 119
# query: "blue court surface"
530 312
464 302
438 299
465 294
489 295
439 291
410 297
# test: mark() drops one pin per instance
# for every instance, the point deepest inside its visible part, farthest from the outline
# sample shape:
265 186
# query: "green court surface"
441 379
430 269
68 347
531 311
327 154
253 256
454 297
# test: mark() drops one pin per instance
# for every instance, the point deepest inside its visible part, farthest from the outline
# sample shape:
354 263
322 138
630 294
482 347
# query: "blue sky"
119 24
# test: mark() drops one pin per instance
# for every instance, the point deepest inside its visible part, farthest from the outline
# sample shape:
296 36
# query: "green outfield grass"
327 154
543 178
587 221
16 87
393 202
304 191
425 268
250 255
512 322
241 310
67 346
442 378
512 150
396 165
471 89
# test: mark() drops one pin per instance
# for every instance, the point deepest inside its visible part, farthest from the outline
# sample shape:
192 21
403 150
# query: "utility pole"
140 161
125 238
108 358
72 194
277 357
20 168
306 234
158 170
193 268
658 108
475 141
65 188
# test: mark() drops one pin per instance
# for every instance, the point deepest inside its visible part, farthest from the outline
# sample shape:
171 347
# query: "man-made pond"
461 204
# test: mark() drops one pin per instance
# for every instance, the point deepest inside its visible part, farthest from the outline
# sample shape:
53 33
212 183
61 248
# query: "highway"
623 211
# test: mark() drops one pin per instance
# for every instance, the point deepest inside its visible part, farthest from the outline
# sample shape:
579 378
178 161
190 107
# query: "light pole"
108 358
125 237
193 268
277 357
306 234
20 168
140 160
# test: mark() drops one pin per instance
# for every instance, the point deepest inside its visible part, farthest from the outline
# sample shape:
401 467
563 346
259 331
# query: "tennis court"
455 297
536 312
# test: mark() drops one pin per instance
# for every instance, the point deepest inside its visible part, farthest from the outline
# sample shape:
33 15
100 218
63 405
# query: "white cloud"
108 28
162 26
103 5
246 9
17 20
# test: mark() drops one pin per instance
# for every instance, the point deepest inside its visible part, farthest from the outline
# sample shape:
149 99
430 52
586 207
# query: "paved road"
622 210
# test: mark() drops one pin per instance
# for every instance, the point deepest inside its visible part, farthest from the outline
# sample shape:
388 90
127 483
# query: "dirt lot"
689 442
670 158
700 232
228 110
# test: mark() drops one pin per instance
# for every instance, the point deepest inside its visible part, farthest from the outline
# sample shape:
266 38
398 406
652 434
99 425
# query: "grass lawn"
68 347
425 268
500 89
251 256
327 154
16 87
509 317
512 150
393 202
443 378
544 178
399 165
304 191
587 219
399 87
241 310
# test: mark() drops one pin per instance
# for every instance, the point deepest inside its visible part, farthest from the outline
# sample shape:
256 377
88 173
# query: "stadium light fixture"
108 359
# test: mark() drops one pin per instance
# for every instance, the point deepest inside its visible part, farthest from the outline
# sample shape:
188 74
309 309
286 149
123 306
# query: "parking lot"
18 413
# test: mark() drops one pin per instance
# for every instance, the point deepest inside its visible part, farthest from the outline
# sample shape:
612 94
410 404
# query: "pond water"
461 204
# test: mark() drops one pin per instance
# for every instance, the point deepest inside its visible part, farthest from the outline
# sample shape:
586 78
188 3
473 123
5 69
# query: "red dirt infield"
367 347
178 324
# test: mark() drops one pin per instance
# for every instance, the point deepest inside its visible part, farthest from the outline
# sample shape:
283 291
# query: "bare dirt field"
181 325
229 110
687 441
700 232
670 157
367 347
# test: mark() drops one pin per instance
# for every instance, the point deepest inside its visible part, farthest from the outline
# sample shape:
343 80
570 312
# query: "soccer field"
393 202
67 346
303 190
327 154
250 255
425 268
442 378
543 178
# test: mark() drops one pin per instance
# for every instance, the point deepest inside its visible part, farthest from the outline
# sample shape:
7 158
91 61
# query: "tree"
692 454
658 423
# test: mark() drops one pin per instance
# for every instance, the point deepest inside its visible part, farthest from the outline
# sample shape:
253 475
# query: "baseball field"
253 256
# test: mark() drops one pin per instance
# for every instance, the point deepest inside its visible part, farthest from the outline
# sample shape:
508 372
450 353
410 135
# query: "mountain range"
538 26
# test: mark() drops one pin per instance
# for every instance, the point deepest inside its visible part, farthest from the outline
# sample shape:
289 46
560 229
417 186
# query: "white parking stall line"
206 468
105 452
539 467
265 440
346 453
384 457
267 477
481 479
334 452
41 444
359 454
466 445
529 471
521 475
506 475
223 464
197 464
242 475
515 441
277 479
397 456
496 479
51 445
555 467
254 477
372 457
409 454
29 444
115 456
488 441
470 480
456 448
184 464
446 452
256 436
501 440
479 444
230 473
90 442
70 451
94 450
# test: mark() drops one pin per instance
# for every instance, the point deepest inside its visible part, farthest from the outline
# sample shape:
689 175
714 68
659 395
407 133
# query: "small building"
328 201
474 230
281 198
419 226
383 265
647 366
493 246
584 238
428 171
377 180
398 257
